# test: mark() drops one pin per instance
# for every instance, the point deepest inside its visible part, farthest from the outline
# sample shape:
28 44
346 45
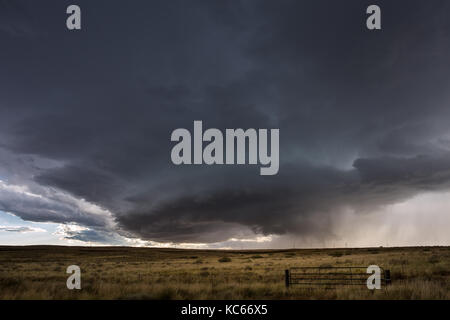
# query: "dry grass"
142 273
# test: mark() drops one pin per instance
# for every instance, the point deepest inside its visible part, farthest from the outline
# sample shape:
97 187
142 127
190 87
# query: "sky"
86 118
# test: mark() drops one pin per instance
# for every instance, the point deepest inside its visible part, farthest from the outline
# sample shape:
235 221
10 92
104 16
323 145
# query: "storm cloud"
86 116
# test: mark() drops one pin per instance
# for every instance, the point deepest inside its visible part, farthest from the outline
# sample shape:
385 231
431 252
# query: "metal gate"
332 276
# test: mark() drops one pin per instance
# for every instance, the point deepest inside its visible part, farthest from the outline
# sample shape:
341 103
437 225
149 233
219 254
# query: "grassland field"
39 272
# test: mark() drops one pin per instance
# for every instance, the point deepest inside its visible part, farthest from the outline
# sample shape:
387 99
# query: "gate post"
387 276
286 278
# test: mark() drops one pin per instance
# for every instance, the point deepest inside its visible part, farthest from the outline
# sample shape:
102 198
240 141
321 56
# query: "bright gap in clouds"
15 231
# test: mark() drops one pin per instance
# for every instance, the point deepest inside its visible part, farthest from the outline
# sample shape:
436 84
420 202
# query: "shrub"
434 259
326 265
335 254
224 259
290 254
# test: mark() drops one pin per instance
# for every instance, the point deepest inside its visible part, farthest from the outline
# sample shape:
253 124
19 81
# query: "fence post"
286 278
387 276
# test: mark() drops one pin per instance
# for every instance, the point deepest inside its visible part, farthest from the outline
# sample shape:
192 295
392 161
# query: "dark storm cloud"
301 202
363 116
81 182
15 19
